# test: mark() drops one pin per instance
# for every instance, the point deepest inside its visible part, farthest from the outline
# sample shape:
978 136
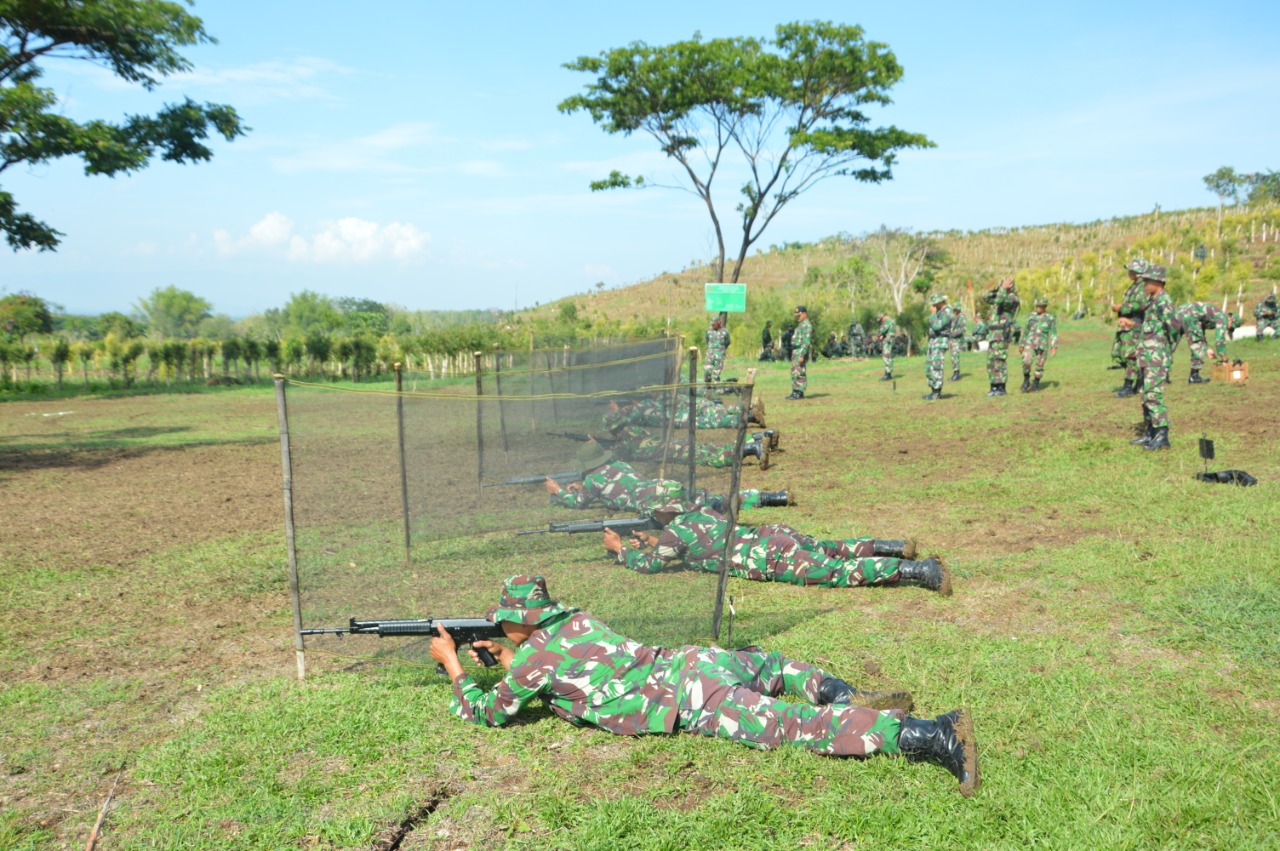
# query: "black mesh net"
418 504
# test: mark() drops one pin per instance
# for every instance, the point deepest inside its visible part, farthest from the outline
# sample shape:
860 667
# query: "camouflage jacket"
1005 304
1266 309
1161 324
979 331
887 329
654 412
1203 316
717 342
958 325
618 487
697 538
856 332
940 323
587 674
802 339
1134 304
1042 331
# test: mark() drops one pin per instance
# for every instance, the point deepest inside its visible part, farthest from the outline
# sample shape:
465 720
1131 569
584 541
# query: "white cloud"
347 240
277 79
373 152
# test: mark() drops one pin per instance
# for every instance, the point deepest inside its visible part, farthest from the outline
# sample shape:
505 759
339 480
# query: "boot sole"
883 700
909 549
764 455
966 737
944 588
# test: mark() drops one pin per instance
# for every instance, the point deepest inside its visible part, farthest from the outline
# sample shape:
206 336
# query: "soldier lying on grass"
775 553
588 674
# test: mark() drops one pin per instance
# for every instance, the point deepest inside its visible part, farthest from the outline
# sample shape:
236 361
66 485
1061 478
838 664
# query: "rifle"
624 526
562 478
581 438
464 631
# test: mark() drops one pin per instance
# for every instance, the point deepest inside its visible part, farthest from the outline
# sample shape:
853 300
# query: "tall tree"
1224 183
899 258
173 313
138 40
792 107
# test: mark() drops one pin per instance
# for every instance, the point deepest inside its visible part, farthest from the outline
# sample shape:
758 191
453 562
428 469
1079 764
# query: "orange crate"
1231 373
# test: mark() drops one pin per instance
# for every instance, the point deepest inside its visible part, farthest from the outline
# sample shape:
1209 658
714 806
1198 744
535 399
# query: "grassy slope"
1113 630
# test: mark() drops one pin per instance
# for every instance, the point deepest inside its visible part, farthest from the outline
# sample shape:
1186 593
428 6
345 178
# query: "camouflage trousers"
799 374
886 354
734 695
704 454
998 362
1265 322
713 367
1198 343
1033 358
1129 351
935 362
1117 350
1156 360
781 553
954 346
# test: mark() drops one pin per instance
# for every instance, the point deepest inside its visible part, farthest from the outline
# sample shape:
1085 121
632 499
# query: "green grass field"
1115 631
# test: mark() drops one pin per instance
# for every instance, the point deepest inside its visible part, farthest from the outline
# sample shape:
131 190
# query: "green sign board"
731 298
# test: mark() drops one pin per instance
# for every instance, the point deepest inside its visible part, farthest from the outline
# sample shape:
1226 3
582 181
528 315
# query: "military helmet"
1042 302
591 455
1137 265
938 298
1154 272
525 600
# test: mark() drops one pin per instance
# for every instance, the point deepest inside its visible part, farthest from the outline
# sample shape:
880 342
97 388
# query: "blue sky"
411 152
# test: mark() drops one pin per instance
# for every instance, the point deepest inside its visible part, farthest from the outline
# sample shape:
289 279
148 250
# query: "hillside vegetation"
1072 264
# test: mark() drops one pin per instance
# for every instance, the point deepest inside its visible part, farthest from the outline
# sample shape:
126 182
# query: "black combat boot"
930 573
948 741
772 434
1159 439
757 448
835 691
776 499
932 394
888 376
894 549
1000 391
1026 381
1146 431
993 390
955 375
1126 390
1197 378
1035 385
796 394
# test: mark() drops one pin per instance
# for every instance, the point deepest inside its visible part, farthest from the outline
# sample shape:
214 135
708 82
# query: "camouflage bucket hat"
591 455
1154 272
1137 265
1042 302
525 600
938 298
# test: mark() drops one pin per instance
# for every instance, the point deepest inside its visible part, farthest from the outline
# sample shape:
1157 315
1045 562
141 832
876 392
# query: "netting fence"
418 503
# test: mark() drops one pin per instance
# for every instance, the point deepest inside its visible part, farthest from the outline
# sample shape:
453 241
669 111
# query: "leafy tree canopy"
308 312
174 313
138 41
22 314
792 107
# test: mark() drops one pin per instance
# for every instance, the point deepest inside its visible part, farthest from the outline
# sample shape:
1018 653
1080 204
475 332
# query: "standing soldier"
766 341
1129 324
857 339
977 333
1041 336
1161 328
788 332
956 343
1004 303
888 330
1267 314
801 345
717 343
935 359
1199 317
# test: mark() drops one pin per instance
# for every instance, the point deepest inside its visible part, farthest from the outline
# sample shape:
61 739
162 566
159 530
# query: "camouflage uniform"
617 486
1133 307
1004 309
957 341
1267 315
977 332
935 359
717 343
709 413
857 340
1161 329
801 345
1041 336
590 675
772 553
888 330
632 443
1198 317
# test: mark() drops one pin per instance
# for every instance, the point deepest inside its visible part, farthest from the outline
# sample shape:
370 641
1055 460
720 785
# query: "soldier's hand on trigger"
612 541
